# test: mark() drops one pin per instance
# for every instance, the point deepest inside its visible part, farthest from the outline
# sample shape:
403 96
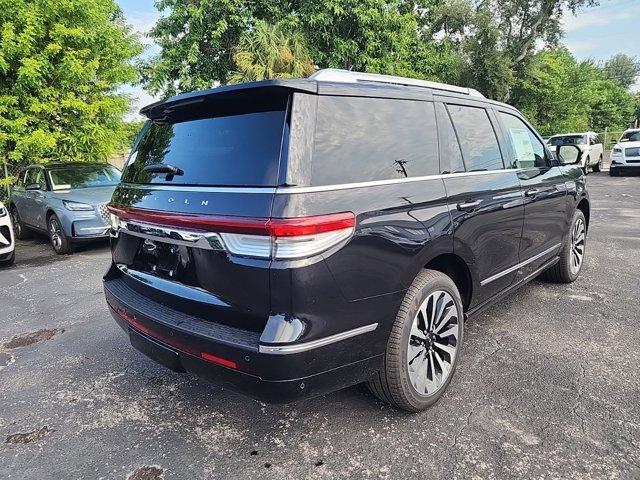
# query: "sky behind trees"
597 33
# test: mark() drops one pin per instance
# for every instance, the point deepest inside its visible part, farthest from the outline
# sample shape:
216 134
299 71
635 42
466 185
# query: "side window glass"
30 177
477 138
40 178
361 139
528 150
450 154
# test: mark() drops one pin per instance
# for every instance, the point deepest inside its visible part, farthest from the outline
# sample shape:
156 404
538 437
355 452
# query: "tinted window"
478 140
233 150
84 176
450 154
34 175
630 136
528 150
568 140
366 139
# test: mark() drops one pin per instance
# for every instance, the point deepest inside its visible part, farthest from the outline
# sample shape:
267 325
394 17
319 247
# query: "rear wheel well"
583 206
455 268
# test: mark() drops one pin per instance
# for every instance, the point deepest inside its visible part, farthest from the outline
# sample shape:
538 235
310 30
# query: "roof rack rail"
347 76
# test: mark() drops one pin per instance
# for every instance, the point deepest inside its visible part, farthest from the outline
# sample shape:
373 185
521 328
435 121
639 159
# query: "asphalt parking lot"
548 385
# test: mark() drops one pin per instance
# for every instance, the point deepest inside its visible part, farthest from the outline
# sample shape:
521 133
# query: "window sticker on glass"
523 147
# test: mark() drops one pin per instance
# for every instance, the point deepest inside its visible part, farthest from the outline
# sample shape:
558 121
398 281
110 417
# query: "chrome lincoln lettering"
204 203
171 200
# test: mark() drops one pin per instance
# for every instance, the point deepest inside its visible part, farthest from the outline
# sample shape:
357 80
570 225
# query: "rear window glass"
233 150
477 138
367 139
568 140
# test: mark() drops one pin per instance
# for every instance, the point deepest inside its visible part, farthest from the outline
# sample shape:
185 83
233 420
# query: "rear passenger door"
484 198
545 205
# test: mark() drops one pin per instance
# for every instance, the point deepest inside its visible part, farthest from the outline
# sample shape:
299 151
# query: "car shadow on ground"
37 251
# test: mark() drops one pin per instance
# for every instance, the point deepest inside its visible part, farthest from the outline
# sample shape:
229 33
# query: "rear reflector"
136 325
276 238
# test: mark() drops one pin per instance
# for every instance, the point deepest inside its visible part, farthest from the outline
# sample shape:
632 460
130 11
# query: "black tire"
8 261
563 272
612 172
59 240
598 166
20 231
585 169
393 384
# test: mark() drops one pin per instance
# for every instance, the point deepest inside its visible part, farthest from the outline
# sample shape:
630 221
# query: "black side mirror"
568 154
33 186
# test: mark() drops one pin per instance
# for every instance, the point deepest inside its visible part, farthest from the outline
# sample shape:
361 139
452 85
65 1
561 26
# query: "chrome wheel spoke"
431 352
451 331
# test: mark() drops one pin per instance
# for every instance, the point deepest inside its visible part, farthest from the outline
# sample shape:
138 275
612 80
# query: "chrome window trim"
375 183
319 188
321 342
519 265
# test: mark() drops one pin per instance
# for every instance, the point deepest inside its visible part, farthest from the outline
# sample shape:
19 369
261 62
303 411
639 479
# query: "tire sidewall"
567 251
64 241
18 226
420 402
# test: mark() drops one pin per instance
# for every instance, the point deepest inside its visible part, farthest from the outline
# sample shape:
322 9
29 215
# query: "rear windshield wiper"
162 168
170 170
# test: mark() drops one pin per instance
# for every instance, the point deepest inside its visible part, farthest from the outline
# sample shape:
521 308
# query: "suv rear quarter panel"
400 227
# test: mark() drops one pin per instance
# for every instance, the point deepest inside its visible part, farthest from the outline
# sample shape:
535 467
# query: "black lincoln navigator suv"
294 237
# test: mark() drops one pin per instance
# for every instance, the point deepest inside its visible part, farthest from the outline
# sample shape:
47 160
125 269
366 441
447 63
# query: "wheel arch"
584 207
457 269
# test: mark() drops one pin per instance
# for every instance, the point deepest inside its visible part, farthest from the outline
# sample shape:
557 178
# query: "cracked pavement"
548 385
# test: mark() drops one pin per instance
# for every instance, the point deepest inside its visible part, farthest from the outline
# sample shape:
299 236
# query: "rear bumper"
625 168
233 356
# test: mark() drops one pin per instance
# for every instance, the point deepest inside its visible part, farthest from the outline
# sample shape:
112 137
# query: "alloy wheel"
433 343
55 232
577 245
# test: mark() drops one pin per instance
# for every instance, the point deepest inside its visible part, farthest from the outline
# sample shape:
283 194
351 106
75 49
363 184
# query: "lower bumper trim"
321 342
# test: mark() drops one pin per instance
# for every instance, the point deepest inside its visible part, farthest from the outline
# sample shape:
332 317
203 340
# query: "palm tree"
270 51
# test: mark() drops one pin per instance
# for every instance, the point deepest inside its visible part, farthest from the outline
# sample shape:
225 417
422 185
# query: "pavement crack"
465 425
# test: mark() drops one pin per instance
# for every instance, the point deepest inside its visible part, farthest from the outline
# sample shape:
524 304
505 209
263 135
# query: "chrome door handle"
531 193
468 206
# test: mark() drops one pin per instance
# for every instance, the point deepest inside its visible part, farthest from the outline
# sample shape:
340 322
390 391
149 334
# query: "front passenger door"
545 206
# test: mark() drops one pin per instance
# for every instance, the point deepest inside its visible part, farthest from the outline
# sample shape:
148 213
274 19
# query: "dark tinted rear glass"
366 139
477 138
233 150
450 154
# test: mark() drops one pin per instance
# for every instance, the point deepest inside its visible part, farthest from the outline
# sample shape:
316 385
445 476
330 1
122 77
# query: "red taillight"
279 238
276 227
220 361
136 325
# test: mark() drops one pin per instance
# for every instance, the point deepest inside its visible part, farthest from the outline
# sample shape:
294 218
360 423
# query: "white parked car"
625 154
7 243
589 143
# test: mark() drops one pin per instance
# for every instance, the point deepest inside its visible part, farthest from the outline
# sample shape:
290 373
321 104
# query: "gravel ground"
548 385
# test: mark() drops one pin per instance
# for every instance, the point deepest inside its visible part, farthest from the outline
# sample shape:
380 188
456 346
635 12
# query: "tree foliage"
497 38
61 62
269 51
560 94
199 40
622 69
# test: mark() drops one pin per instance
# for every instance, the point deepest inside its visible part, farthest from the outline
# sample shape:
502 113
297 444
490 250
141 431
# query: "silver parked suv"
67 201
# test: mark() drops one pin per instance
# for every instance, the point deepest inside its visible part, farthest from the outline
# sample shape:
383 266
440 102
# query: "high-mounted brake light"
277 238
